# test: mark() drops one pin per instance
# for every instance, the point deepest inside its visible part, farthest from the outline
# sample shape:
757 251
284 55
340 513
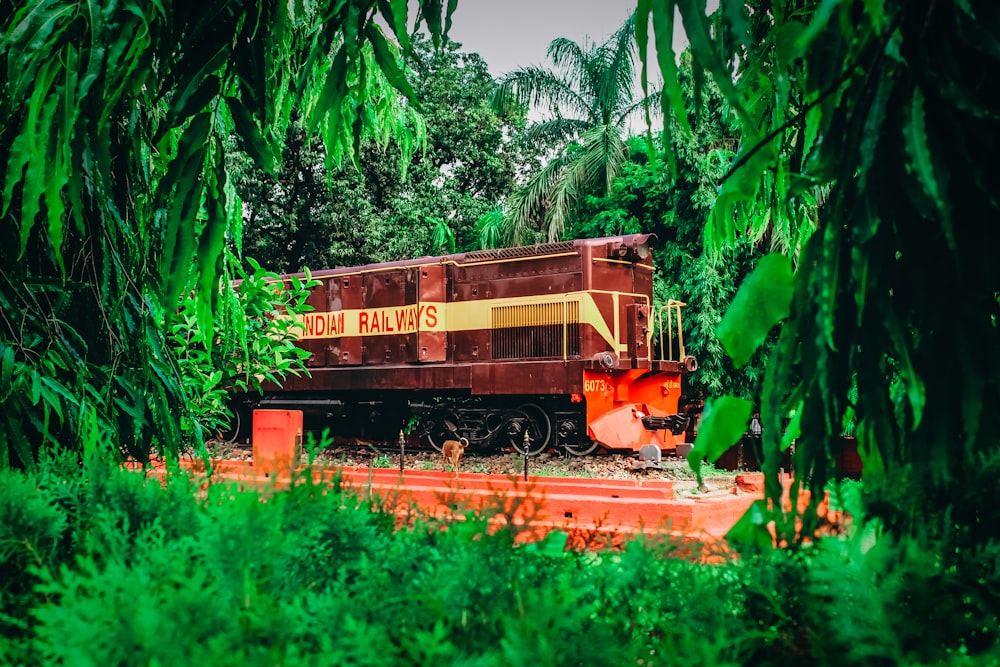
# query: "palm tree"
590 96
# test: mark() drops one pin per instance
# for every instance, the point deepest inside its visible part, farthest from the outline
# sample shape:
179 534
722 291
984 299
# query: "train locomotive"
526 348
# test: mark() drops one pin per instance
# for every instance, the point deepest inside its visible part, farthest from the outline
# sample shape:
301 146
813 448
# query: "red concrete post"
277 440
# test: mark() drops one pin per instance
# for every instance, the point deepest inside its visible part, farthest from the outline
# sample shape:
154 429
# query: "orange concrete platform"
594 512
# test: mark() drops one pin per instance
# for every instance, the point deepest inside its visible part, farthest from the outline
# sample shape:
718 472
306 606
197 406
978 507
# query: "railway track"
602 464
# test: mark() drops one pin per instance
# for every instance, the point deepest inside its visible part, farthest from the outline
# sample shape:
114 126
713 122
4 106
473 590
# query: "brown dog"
452 451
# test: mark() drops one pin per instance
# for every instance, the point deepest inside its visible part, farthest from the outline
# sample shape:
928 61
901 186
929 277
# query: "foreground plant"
252 343
103 566
115 199
868 136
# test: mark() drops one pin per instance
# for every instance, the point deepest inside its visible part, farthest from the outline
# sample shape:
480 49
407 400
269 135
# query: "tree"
590 97
880 112
473 153
647 197
115 197
308 215
303 215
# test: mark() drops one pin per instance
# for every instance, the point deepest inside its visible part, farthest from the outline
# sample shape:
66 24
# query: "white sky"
510 34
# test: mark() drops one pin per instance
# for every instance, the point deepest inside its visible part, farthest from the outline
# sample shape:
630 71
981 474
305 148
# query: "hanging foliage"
115 199
868 130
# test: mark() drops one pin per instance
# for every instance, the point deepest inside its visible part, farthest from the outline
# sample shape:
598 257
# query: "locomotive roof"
475 256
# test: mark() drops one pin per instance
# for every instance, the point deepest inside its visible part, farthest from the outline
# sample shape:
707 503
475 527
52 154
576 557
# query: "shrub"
101 566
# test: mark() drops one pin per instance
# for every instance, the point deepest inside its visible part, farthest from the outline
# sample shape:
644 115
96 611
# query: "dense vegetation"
850 138
309 215
881 113
588 96
312 214
646 198
100 566
116 199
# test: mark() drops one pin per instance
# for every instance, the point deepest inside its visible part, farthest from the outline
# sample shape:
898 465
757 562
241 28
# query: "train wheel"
441 426
583 448
574 442
533 420
240 427
230 435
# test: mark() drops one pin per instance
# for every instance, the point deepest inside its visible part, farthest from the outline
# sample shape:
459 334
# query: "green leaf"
751 531
873 129
399 23
915 391
761 302
672 97
741 184
794 429
211 247
430 11
699 32
452 6
663 30
820 18
52 391
922 162
36 387
33 34
254 142
786 42
26 163
192 99
386 60
735 14
331 100
212 381
184 181
6 369
553 545
722 425
13 436
876 14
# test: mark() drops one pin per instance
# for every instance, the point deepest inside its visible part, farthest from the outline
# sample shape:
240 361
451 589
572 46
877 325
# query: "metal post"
527 445
371 474
755 437
402 452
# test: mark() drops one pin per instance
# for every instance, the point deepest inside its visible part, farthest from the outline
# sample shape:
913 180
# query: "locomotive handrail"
672 304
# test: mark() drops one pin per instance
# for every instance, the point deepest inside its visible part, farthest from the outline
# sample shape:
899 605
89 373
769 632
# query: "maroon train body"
528 348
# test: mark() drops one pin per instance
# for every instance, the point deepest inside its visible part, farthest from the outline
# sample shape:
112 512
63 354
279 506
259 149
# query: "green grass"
555 471
708 469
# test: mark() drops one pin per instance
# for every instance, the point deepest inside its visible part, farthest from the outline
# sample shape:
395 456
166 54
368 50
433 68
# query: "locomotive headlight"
608 360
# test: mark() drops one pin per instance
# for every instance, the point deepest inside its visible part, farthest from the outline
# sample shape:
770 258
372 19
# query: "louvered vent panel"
536 331
519 251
